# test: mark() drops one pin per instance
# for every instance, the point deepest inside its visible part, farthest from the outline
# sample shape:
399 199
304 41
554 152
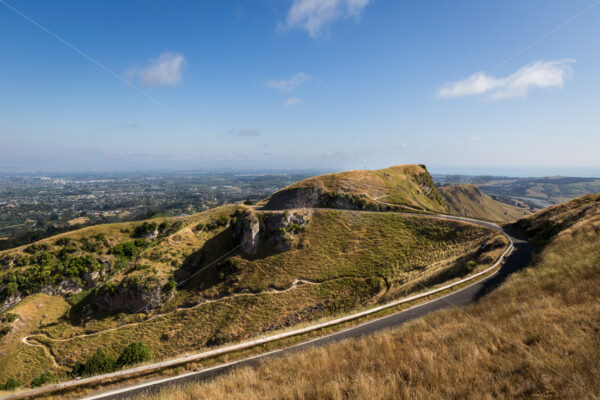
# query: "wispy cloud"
166 70
539 74
245 132
292 101
287 84
315 15
402 146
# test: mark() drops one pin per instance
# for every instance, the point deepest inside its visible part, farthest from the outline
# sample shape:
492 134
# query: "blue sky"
301 84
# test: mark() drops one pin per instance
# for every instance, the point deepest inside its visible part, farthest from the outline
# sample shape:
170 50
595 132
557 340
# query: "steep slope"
536 336
408 186
578 214
468 201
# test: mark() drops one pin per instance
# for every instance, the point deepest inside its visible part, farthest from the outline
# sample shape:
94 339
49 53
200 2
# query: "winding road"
521 255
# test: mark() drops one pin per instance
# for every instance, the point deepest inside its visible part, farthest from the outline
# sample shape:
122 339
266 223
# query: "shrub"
4 331
11 384
11 288
170 286
127 250
470 266
46 377
9 317
135 353
100 362
144 229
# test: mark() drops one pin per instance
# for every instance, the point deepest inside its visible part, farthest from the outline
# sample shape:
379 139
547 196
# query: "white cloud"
539 74
166 70
402 146
292 101
315 15
245 132
287 84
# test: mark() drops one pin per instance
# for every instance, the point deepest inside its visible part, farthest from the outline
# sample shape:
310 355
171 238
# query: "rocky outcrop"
250 234
312 197
274 231
131 295
10 301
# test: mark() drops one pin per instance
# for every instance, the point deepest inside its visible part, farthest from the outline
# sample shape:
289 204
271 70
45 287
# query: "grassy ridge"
408 185
534 337
468 201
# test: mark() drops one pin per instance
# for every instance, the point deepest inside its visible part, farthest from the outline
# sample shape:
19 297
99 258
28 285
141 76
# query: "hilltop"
410 187
406 188
534 336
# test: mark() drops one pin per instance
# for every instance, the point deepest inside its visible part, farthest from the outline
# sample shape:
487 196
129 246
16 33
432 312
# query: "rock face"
10 302
311 197
250 234
130 297
275 231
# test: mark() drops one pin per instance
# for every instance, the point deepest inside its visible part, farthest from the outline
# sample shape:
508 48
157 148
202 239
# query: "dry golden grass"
537 336
21 361
409 185
469 201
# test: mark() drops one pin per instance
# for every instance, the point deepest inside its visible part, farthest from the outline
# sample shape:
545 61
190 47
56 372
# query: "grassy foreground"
537 336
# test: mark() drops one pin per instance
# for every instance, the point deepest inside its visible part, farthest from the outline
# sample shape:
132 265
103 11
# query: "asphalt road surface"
520 257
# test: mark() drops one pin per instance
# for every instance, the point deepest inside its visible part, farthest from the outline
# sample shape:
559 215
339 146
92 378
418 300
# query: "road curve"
520 257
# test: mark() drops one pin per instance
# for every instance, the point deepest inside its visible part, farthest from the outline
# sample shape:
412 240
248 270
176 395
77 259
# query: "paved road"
520 257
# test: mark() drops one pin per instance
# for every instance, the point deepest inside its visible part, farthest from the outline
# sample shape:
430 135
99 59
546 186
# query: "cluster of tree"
223 220
129 250
48 269
100 362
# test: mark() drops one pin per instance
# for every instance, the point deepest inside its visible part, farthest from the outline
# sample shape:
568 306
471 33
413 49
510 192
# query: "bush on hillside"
46 377
11 384
134 353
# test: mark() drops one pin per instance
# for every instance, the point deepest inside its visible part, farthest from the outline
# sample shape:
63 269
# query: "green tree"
11 384
134 353
39 380
99 363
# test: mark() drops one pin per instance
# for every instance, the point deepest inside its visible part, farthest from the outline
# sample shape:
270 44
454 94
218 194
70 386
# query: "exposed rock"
69 287
314 197
10 302
91 278
250 231
134 298
276 231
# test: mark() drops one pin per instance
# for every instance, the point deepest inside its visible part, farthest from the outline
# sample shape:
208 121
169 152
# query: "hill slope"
468 201
536 336
410 186
235 272
407 188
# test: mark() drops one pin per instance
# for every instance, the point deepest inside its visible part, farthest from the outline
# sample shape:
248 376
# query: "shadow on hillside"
210 257
520 258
